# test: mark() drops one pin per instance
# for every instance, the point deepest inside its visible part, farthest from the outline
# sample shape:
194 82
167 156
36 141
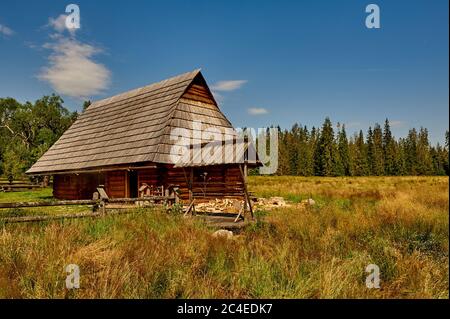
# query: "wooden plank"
189 208
247 197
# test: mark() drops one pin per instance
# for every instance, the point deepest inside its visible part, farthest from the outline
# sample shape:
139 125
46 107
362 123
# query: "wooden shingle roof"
131 127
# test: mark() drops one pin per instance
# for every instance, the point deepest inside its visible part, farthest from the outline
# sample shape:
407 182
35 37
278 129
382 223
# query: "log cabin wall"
116 184
151 177
221 181
88 183
65 187
76 186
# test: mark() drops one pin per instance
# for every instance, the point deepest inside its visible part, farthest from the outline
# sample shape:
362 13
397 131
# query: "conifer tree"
360 160
324 162
411 152
320 152
424 160
370 151
283 160
344 152
400 158
312 144
445 154
377 151
389 150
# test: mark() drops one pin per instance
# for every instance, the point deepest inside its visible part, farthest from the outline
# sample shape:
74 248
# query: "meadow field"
400 224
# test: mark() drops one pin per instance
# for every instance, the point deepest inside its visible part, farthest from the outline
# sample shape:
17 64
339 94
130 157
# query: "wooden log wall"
222 181
76 186
65 187
116 184
151 177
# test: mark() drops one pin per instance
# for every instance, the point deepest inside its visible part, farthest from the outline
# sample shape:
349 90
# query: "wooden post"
45 181
175 194
190 207
103 207
191 182
127 185
245 190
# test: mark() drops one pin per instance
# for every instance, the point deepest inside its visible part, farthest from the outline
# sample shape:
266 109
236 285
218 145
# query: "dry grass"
400 224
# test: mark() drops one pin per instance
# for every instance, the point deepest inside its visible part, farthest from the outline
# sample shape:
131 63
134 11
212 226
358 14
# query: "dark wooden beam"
247 197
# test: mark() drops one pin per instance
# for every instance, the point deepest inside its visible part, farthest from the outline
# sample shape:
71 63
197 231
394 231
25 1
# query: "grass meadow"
400 224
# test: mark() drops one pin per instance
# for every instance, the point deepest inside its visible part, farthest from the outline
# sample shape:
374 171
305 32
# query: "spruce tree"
400 158
370 152
324 162
389 150
377 151
344 152
305 156
424 160
283 156
411 152
360 160
444 155
313 140
292 147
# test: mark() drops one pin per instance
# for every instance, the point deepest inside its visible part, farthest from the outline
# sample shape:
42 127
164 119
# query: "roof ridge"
133 92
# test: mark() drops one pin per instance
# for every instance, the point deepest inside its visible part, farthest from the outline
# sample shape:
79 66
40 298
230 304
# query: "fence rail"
6 186
99 207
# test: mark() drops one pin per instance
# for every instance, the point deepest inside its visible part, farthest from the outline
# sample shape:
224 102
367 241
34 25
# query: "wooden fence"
19 185
99 207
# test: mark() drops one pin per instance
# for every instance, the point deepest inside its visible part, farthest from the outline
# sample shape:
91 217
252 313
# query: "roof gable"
136 127
125 128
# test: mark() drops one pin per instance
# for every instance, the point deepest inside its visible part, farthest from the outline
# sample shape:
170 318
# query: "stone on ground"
223 233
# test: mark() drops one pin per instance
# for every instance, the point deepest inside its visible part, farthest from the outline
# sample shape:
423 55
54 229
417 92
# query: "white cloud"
228 85
257 111
59 24
5 30
72 71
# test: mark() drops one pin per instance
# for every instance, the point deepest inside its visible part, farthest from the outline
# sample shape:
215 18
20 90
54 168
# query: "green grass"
38 195
400 224
29 196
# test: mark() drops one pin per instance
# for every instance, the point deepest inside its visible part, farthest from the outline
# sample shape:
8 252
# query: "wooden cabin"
125 144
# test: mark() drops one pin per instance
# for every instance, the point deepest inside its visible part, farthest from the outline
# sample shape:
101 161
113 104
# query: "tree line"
27 130
328 152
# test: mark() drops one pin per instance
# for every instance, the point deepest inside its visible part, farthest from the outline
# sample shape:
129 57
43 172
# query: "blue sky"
270 62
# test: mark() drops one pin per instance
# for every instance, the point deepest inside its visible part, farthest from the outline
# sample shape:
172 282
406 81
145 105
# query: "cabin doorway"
133 182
